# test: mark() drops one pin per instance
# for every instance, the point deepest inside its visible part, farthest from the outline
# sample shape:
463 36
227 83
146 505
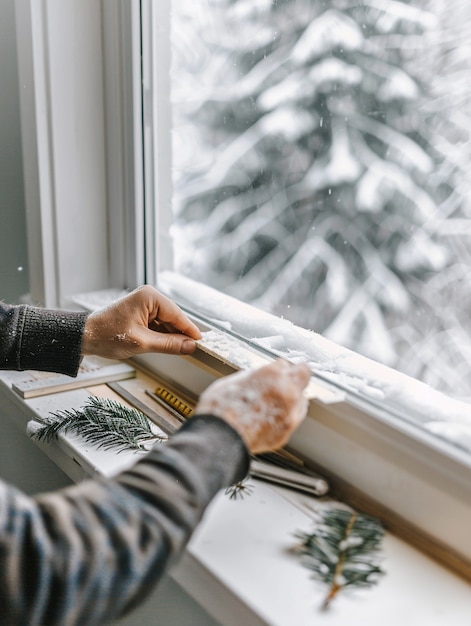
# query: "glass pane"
321 159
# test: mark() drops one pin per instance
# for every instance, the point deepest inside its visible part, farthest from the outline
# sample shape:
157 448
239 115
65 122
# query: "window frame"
419 487
83 161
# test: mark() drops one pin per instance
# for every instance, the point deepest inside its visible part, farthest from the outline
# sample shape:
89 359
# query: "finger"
160 327
167 343
300 374
301 410
273 369
169 314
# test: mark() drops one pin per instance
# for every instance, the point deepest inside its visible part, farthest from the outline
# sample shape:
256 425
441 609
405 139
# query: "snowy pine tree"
436 346
310 186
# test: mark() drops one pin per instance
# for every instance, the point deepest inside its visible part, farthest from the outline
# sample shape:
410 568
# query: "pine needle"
343 551
103 422
239 490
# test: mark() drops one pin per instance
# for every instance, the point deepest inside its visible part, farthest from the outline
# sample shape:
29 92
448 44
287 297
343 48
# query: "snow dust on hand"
264 406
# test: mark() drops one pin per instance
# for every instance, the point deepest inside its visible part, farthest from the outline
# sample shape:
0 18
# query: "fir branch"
240 489
343 550
106 423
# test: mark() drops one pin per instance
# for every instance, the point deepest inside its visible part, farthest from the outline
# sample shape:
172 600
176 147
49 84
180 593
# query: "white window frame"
82 159
92 226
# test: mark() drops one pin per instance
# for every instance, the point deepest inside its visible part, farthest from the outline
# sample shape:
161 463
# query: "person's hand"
264 406
143 321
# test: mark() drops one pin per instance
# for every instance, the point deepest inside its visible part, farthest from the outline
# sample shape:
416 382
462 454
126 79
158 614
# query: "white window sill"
388 456
238 565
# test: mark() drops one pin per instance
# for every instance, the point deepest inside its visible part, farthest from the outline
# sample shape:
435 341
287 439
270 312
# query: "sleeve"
40 339
91 552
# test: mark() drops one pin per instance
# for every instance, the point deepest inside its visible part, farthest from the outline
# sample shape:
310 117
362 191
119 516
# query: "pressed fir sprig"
103 422
343 550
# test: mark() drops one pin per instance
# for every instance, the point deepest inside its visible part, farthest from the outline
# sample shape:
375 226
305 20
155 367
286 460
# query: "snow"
341 166
421 252
406 151
394 12
330 31
250 9
303 86
398 86
408 398
289 122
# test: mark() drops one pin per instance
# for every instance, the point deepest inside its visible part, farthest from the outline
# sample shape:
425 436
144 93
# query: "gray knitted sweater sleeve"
40 339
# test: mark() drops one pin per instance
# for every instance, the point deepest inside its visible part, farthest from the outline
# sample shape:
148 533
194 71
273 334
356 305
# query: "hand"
143 321
264 406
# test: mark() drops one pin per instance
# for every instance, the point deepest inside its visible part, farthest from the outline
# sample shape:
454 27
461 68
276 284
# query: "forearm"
40 339
92 551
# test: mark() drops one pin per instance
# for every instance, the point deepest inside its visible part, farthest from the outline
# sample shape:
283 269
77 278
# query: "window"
114 123
320 159
318 155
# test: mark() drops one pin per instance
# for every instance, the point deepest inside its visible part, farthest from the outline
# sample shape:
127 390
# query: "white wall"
13 249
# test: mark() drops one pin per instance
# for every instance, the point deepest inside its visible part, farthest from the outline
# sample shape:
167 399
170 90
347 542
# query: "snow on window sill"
382 387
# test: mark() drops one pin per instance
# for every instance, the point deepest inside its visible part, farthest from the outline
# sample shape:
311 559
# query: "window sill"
238 565
383 463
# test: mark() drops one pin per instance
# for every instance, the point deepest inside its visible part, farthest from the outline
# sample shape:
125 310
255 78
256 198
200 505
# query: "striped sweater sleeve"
91 552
